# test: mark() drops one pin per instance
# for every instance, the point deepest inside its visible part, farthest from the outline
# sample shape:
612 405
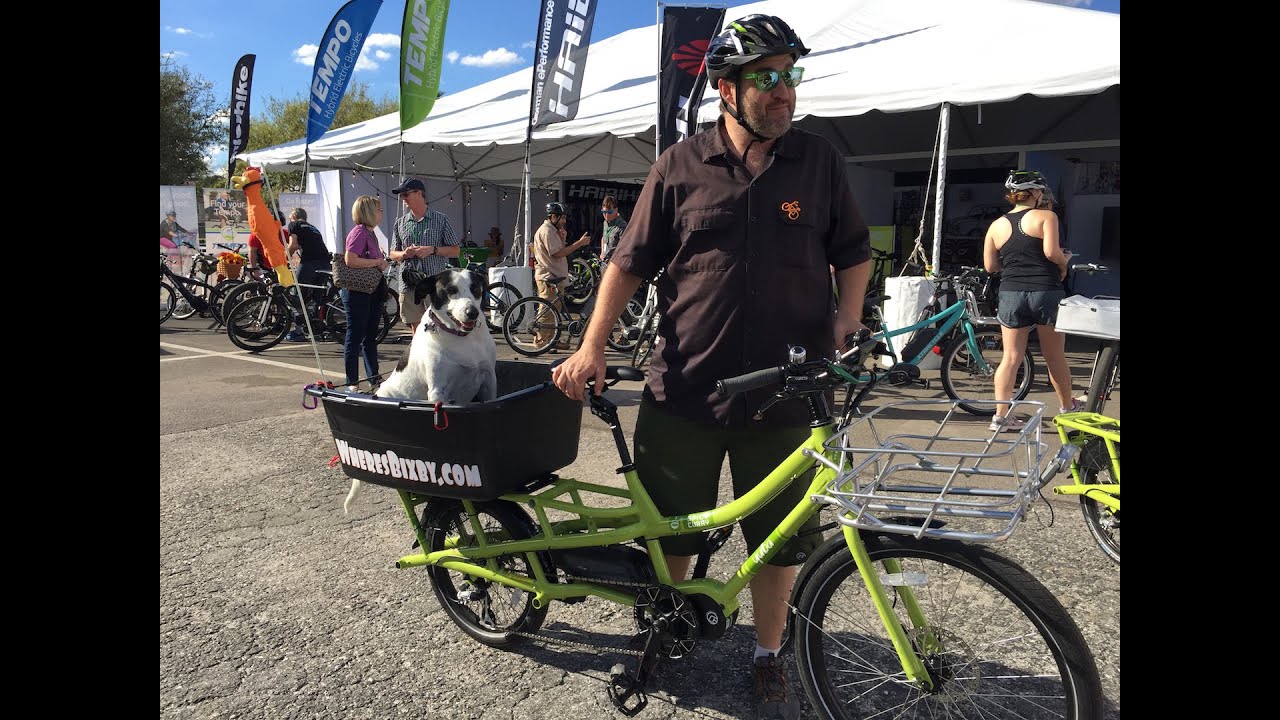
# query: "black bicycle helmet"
555 208
749 39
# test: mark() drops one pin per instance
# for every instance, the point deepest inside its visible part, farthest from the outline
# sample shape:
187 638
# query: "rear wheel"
217 303
581 282
997 643
1103 523
969 377
167 302
1106 369
525 320
238 293
487 611
183 309
498 296
259 323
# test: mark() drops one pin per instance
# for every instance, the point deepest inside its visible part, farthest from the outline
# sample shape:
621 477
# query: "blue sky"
484 39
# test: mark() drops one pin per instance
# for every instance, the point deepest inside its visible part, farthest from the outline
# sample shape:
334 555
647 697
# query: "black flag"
241 79
686 32
564 33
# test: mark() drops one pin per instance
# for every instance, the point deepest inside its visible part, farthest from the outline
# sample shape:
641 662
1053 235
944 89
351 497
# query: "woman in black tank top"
1023 247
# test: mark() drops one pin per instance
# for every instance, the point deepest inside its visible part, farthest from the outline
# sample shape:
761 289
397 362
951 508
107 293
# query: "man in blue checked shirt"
423 240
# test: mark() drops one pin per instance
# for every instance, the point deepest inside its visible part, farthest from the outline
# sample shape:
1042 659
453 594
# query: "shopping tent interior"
1022 78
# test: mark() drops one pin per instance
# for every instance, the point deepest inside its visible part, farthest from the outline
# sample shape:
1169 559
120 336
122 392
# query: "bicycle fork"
908 654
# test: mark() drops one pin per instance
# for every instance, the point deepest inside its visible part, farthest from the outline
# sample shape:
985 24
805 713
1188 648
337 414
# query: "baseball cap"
410 184
171 214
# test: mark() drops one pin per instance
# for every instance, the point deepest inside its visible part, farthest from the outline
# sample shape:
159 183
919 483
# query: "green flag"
421 44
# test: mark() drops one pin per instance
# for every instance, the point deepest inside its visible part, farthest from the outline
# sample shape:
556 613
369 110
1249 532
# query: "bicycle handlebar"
193 247
233 247
814 371
1090 268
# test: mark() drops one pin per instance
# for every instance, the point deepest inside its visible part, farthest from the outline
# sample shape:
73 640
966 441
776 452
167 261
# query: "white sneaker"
1000 423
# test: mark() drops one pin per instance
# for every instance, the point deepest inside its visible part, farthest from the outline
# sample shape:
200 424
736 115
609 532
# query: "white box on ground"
1096 318
907 297
521 277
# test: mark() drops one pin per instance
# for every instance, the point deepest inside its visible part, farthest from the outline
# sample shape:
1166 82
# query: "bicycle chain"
581 645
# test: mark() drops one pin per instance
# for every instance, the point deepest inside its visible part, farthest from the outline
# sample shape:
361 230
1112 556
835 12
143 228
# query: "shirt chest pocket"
708 240
801 232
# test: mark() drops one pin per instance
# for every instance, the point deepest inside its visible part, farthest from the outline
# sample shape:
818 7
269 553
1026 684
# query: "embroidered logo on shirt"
792 209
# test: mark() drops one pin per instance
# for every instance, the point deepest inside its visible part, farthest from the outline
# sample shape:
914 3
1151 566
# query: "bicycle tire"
524 319
1103 524
335 316
582 283
255 328
447 524
963 380
644 344
238 293
1105 367
498 297
167 301
1036 663
218 299
390 315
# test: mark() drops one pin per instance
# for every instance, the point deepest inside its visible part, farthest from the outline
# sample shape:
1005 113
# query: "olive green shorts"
679 463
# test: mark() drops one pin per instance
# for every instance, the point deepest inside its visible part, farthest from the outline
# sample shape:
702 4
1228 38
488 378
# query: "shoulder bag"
364 280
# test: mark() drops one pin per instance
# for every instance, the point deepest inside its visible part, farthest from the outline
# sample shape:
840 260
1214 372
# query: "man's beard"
762 122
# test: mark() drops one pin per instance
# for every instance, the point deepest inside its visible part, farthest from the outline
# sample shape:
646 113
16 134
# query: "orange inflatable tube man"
264 223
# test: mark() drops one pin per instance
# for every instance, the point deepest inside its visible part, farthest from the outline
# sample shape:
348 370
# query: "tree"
188 124
285 120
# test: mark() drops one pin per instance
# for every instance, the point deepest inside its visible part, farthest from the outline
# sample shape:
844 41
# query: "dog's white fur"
441 366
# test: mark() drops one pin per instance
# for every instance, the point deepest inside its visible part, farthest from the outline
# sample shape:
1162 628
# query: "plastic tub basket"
477 451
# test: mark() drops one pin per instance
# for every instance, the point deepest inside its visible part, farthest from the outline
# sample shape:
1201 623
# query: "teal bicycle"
971 348
894 616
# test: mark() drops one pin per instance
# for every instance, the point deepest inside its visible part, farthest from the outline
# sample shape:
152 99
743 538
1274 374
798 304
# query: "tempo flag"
335 60
421 45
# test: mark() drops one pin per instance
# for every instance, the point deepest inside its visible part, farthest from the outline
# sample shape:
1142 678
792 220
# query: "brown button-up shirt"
746 267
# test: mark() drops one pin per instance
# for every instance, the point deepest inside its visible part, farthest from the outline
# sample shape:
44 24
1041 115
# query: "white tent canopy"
868 57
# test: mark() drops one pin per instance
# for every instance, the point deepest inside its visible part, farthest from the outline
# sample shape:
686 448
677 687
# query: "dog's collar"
437 325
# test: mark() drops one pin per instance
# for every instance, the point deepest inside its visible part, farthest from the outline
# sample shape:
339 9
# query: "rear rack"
961 481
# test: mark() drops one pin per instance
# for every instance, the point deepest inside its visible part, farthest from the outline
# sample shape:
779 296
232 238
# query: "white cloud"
492 58
526 44
187 31
172 55
452 56
372 55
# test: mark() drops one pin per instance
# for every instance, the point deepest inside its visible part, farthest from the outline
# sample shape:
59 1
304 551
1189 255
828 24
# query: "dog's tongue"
469 325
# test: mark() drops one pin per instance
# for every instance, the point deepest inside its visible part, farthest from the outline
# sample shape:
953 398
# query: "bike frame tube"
953 314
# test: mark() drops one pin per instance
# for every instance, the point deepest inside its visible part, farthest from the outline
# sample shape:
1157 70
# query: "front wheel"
997 644
259 323
531 326
487 611
966 376
167 301
1106 368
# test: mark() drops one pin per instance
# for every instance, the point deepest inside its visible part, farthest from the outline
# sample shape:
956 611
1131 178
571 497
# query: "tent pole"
657 86
944 123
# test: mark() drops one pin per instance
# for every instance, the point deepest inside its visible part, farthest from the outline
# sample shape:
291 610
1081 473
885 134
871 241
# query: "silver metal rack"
960 480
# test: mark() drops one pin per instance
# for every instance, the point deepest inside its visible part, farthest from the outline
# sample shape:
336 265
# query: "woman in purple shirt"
364 310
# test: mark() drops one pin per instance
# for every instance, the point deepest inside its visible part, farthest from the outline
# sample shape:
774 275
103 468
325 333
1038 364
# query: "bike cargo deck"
477 451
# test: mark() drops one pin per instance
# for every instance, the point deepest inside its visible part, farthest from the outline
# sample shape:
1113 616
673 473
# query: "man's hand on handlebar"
572 375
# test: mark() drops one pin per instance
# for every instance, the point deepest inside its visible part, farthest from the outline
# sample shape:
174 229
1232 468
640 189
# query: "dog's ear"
426 286
478 280
412 277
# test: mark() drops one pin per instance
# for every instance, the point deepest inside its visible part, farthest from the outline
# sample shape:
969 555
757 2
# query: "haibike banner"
564 33
686 32
421 44
241 81
335 61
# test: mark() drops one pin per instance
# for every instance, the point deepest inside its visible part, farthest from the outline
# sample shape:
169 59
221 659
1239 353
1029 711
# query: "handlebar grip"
751 381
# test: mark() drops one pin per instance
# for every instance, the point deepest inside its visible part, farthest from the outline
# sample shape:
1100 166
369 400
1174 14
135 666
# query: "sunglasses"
768 79
607 211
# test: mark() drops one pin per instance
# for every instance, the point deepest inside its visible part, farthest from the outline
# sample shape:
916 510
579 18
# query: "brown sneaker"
773 696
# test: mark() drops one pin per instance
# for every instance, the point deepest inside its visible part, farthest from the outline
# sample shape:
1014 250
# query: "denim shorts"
1024 308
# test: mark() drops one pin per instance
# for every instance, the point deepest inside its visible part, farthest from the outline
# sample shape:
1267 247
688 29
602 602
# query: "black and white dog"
452 358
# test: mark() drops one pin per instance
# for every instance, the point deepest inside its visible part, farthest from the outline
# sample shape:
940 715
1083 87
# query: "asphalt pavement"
273 604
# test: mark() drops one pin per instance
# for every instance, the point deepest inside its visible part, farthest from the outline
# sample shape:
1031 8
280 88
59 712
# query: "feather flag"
421 44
